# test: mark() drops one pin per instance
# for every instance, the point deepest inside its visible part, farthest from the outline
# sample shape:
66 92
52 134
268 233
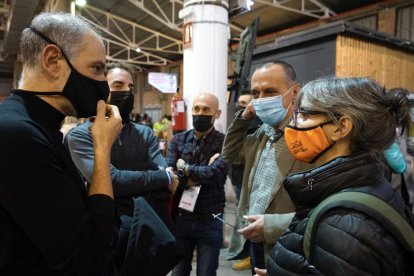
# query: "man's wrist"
183 171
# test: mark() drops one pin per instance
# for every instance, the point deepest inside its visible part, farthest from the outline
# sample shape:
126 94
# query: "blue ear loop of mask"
270 110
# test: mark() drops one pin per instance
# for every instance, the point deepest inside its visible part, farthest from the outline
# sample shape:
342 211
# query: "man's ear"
218 114
296 89
51 55
344 128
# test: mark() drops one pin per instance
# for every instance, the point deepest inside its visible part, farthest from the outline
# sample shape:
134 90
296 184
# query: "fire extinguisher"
178 114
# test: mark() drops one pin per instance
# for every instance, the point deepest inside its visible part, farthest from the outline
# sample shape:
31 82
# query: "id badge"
189 198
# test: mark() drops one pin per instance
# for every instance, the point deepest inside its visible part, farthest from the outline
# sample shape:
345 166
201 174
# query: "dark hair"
289 71
374 113
125 66
400 105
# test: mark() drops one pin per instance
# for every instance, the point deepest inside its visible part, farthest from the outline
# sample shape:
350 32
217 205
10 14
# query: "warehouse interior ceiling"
148 33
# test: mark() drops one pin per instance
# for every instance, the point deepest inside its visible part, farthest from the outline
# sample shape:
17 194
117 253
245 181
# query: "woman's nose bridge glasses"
242 220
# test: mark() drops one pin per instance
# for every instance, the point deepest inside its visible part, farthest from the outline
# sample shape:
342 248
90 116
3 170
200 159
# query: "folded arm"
125 182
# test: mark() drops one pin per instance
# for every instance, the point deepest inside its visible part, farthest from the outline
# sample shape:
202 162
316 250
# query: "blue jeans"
256 256
237 179
237 191
207 236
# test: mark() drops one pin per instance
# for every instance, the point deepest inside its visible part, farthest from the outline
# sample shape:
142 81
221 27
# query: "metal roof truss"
126 36
312 8
169 20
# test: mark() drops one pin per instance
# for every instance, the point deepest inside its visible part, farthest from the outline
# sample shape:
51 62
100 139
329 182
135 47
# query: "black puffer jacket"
347 242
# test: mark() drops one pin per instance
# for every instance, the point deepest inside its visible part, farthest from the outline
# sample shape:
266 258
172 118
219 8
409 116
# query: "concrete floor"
224 265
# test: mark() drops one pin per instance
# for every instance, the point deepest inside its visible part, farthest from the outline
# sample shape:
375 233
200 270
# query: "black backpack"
145 244
369 204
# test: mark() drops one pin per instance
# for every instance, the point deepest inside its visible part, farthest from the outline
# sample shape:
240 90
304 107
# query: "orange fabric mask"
306 144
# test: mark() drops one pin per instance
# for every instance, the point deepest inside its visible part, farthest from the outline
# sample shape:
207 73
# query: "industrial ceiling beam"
317 11
18 15
4 15
117 51
327 12
123 34
169 20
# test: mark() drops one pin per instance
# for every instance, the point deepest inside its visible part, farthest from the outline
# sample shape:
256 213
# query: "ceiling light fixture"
80 3
249 4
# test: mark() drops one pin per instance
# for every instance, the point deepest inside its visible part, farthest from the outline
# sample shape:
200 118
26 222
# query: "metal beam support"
112 25
320 10
4 15
327 12
167 20
118 51
236 28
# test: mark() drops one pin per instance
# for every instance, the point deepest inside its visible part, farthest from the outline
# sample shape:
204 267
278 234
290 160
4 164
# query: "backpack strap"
404 192
369 204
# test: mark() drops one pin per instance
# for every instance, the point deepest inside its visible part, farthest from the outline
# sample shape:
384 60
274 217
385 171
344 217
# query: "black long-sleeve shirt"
48 224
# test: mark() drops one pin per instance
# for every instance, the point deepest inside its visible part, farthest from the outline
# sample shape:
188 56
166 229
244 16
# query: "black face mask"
202 122
82 92
124 100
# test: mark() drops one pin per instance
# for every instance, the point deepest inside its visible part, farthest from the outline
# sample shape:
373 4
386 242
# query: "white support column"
205 54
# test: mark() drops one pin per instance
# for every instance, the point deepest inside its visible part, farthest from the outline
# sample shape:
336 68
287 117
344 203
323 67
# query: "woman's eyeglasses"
303 113
227 217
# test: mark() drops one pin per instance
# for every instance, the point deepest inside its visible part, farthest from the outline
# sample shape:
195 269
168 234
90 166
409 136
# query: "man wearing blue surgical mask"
263 201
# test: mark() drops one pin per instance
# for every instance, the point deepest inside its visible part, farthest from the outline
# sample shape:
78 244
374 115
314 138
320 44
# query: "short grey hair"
66 30
374 113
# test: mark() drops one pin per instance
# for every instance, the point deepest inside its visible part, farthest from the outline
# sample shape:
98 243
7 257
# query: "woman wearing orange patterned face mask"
342 125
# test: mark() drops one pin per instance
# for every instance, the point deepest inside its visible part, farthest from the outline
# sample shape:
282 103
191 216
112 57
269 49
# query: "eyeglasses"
227 218
303 113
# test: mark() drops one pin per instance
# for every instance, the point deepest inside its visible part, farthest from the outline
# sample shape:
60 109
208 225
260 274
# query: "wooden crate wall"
390 66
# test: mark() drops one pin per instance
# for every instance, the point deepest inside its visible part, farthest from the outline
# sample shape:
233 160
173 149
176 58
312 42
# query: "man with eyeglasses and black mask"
267 161
51 224
200 195
137 165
